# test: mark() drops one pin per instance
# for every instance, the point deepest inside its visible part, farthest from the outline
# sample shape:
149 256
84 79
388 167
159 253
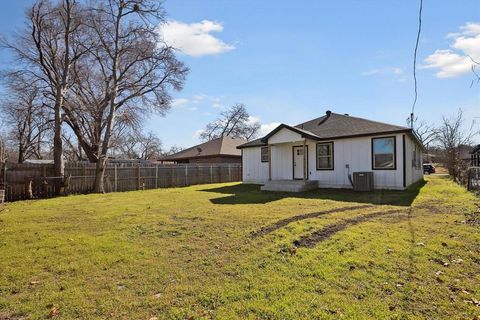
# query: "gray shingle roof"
225 146
334 126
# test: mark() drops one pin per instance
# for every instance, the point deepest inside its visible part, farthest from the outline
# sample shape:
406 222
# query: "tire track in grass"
311 240
282 223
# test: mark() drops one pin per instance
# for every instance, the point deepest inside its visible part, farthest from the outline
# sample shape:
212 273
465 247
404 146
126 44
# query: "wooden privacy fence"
23 180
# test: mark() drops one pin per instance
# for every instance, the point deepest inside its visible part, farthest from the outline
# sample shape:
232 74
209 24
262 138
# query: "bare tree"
125 76
424 131
26 116
71 149
3 149
451 135
137 145
47 48
234 122
475 72
172 150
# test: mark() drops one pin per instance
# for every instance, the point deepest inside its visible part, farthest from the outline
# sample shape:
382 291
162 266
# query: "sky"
290 61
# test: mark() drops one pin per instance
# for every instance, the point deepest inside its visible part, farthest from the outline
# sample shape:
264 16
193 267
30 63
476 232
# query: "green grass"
188 253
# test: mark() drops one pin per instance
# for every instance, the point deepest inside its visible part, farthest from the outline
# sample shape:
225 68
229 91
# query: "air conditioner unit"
363 181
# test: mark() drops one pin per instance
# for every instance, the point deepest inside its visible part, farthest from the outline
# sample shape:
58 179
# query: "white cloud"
192 103
457 60
197 133
252 120
179 102
218 105
195 39
267 127
386 70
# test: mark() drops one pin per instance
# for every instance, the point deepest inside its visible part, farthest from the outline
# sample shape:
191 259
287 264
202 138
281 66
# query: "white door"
298 162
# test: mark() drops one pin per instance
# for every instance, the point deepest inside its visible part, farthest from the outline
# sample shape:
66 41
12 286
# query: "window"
416 159
264 154
325 156
383 153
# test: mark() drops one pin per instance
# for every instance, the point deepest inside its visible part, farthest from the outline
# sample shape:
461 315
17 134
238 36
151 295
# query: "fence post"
186 174
211 174
116 178
156 176
85 187
138 177
4 197
468 179
229 172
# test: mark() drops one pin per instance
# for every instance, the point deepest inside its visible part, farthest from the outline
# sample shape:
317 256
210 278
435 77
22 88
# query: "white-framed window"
325 156
384 153
264 154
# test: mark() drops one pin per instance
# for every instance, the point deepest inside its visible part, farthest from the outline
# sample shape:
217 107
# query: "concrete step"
289 185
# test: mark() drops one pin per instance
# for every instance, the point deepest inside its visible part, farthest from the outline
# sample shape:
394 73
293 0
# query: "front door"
298 162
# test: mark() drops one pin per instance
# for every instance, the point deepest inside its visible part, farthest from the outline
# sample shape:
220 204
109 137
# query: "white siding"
284 135
356 152
253 170
412 174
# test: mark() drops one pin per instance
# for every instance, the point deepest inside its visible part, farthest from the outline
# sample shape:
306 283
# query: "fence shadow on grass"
251 194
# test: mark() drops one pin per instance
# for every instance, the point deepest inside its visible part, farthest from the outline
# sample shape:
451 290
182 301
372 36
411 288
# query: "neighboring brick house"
220 150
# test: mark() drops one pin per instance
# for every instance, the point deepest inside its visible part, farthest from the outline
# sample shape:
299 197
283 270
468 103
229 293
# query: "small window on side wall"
325 156
264 154
383 153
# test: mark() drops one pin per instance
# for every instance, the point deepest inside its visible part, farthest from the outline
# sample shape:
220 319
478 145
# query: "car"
428 168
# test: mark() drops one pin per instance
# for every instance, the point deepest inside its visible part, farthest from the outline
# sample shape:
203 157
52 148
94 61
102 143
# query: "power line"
415 61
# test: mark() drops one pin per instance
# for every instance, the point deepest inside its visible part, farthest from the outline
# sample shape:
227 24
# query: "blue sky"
289 61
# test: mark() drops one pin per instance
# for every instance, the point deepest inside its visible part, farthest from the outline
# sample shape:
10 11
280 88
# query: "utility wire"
415 62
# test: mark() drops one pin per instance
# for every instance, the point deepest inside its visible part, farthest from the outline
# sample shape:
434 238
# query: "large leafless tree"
46 49
26 116
127 73
452 134
233 122
3 148
138 145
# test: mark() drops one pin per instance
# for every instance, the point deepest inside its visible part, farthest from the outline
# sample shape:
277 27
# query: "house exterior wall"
253 170
285 136
413 173
356 152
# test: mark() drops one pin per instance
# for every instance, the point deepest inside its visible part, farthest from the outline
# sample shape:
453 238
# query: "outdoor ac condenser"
363 181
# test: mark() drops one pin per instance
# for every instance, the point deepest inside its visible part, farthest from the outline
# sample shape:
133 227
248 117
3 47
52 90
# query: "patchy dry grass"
200 252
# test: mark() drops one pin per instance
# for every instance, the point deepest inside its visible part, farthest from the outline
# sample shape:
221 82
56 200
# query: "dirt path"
309 241
281 223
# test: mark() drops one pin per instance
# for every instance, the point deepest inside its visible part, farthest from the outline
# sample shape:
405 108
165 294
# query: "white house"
326 152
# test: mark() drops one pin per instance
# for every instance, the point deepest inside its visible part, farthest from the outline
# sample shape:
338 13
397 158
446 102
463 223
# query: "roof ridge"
374 121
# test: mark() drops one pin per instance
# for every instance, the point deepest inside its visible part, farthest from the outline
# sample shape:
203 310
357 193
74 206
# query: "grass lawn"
230 251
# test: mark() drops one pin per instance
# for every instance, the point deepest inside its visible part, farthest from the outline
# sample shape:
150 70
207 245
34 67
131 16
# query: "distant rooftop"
223 146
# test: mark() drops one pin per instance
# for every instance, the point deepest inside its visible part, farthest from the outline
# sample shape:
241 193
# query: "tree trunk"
21 153
99 175
102 156
57 142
